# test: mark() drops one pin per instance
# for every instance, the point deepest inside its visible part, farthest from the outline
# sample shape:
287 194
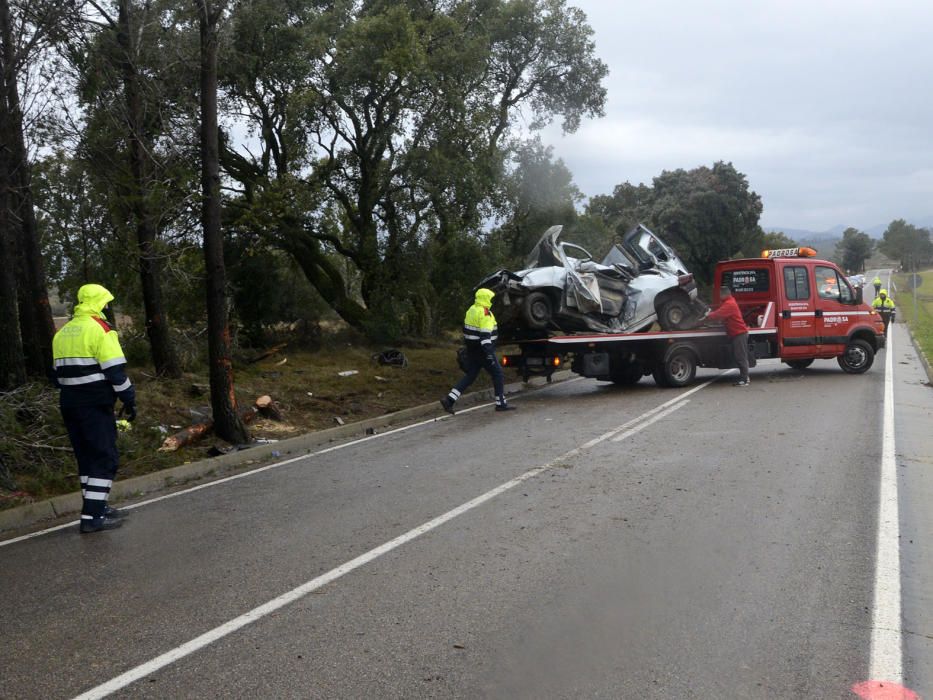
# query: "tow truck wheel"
800 364
537 310
857 358
679 369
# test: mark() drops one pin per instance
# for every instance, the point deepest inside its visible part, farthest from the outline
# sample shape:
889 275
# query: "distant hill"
835 233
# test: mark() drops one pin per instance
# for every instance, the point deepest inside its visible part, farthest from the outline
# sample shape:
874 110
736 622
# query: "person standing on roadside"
731 317
877 285
884 305
90 371
480 334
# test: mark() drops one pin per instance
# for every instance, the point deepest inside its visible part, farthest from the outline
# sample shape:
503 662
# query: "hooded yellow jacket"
90 368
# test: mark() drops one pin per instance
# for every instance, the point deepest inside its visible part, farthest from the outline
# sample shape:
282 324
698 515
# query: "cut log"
195 432
268 408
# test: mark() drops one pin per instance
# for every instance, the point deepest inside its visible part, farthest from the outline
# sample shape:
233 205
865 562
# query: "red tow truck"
798 309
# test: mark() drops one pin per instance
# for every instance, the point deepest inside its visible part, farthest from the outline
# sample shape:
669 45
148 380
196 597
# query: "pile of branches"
34 445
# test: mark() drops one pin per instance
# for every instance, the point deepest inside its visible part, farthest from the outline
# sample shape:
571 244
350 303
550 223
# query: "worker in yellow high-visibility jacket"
90 370
884 305
479 335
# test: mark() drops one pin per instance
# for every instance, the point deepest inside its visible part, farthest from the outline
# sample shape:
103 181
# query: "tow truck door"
834 315
797 318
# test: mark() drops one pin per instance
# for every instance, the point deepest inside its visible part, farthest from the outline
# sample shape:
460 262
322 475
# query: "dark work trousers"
476 361
740 351
886 316
93 434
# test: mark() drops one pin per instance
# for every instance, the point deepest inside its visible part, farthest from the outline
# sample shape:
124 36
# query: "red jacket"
728 312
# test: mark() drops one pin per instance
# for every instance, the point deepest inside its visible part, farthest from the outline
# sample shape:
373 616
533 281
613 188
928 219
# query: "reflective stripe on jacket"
886 305
479 324
90 368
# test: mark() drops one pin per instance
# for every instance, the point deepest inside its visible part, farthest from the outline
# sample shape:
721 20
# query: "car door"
833 309
798 316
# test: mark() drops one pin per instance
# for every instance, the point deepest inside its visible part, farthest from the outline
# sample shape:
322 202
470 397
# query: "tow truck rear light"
555 361
506 361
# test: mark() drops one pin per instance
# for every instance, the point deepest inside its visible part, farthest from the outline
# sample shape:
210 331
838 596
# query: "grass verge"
36 461
918 315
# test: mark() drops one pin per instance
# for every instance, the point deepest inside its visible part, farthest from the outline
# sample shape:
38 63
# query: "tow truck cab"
809 302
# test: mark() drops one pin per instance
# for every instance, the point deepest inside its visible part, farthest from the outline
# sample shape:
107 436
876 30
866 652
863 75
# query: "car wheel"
674 314
537 310
800 364
857 358
678 369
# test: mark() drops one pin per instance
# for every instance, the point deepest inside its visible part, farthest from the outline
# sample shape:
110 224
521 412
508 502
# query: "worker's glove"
128 412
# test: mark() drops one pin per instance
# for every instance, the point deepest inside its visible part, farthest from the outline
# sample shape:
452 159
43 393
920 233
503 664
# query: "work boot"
115 513
448 404
505 407
742 382
98 524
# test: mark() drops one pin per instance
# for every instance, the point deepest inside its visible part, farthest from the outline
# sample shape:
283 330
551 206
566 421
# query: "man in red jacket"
731 317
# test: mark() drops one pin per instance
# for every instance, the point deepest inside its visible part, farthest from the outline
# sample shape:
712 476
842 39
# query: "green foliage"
853 250
706 214
906 243
766 241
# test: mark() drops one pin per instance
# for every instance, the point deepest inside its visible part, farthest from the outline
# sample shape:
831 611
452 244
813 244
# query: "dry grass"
306 385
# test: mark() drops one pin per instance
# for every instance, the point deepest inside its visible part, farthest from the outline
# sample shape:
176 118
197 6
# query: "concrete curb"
175 478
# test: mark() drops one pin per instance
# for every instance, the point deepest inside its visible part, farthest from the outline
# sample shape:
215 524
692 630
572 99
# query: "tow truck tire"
800 364
674 314
537 310
857 358
678 369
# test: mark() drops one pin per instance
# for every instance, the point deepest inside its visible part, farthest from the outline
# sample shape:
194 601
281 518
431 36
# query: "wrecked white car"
640 281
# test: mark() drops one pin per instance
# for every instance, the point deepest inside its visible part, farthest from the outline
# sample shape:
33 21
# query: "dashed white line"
169 657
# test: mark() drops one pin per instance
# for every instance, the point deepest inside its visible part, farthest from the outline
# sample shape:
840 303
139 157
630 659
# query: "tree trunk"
163 354
12 362
35 314
227 422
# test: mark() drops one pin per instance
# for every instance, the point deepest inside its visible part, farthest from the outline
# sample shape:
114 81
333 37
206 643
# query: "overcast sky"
825 105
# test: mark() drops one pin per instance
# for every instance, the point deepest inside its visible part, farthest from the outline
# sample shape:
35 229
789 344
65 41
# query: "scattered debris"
370 431
391 357
348 373
338 420
281 362
380 379
268 353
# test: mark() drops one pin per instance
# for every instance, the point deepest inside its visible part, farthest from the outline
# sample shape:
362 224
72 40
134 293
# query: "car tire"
674 314
537 310
857 358
800 364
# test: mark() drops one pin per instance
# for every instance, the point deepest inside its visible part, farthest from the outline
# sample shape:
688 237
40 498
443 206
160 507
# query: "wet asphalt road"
725 550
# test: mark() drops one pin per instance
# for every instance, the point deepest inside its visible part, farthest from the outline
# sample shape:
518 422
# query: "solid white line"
275 465
886 656
169 657
653 419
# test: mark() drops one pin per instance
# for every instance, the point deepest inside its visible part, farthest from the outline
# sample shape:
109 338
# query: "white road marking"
886 656
259 470
169 657
654 419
